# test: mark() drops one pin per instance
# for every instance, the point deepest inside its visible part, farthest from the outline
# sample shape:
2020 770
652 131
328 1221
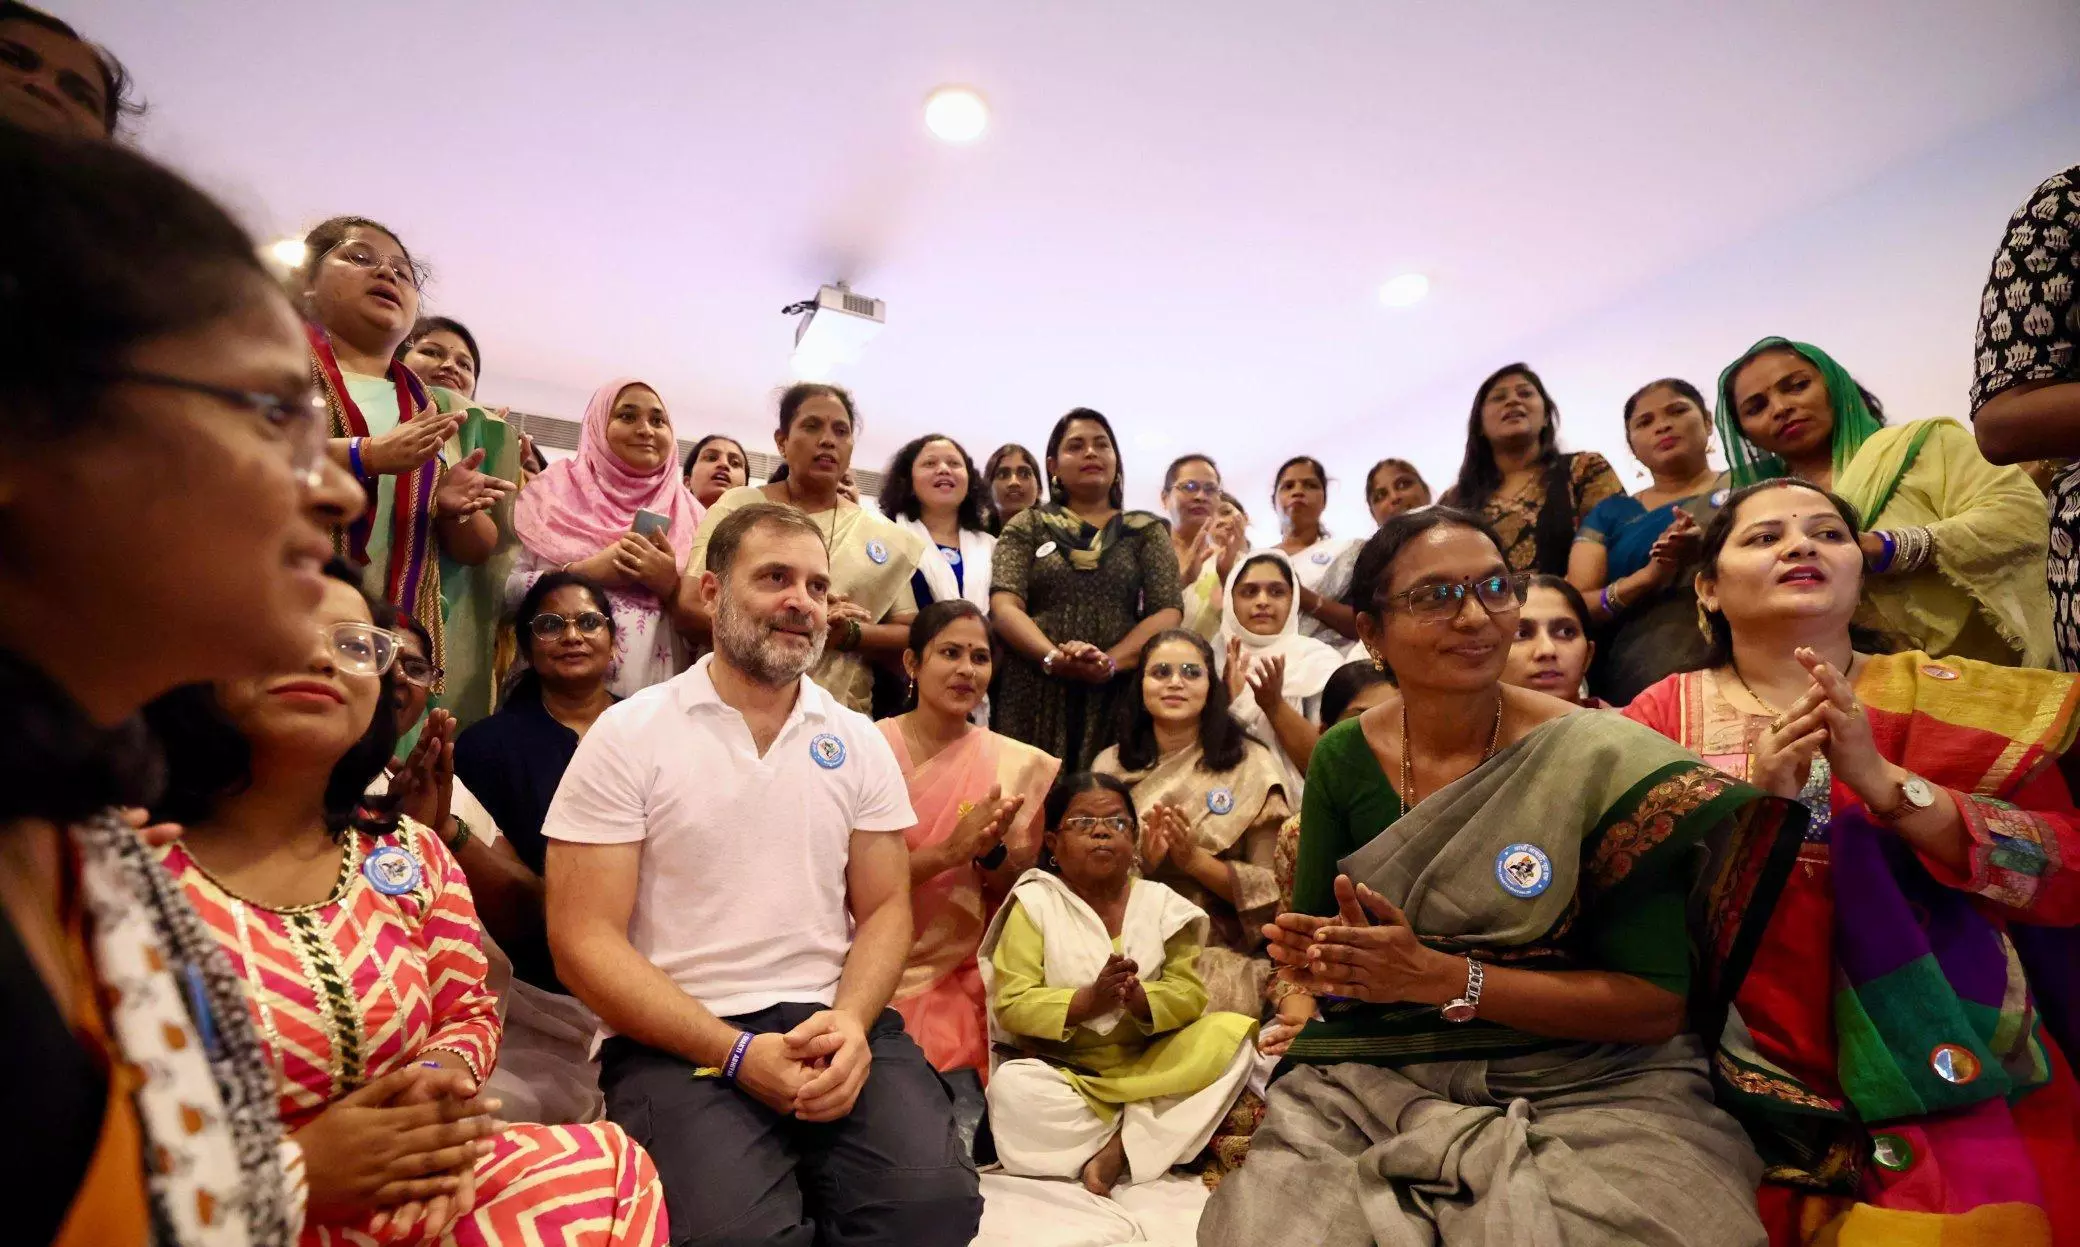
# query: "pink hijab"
582 505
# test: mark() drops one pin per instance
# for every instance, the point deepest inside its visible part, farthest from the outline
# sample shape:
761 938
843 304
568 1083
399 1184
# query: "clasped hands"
1368 952
1826 721
1081 660
813 1072
1118 986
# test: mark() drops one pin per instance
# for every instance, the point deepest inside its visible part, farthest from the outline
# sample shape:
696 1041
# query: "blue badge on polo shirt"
1523 870
828 751
1220 800
877 552
392 870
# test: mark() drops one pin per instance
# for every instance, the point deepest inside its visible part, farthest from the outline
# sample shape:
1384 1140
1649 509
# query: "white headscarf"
1309 663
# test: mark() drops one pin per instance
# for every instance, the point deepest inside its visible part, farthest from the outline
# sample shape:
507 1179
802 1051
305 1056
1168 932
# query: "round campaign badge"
1954 1063
392 870
1220 800
1046 548
1719 497
1523 870
876 551
1322 557
1936 672
828 751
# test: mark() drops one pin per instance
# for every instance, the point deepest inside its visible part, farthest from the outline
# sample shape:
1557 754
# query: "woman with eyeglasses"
1956 546
1126 1067
163 368
1210 799
977 796
437 468
1013 477
1206 538
1904 1036
355 934
618 514
1492 904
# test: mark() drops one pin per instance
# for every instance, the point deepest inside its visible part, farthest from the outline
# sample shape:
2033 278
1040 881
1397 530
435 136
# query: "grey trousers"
892 1172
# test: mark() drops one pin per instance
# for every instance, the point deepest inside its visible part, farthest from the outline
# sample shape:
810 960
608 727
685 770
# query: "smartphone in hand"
648 522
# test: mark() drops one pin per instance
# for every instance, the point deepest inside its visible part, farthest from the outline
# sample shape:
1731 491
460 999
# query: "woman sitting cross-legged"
1902 1039
1498 905
977 796
1091 975
359 947
1210 799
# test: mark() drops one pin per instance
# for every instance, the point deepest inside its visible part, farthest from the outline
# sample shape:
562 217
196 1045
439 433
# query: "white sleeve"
604 793
884 796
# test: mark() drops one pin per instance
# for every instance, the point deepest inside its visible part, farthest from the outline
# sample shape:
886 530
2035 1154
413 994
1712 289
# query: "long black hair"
1222 738
118 100
1480 477
1720 530
1067 787
1059 496
209 759
989 480
898 499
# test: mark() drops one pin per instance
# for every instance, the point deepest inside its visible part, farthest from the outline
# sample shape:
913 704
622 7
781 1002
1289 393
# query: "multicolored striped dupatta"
412 580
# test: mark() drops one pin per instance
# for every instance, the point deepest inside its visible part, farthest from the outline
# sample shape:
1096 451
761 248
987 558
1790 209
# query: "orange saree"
940 994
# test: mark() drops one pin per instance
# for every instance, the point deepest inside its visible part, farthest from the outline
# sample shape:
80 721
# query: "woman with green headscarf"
1955 545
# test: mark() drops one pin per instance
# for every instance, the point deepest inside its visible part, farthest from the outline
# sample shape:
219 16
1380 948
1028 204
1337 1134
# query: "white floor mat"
1041 1212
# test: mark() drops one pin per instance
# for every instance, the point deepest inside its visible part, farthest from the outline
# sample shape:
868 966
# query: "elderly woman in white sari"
1210 800
1273 673
1499 905
1091 974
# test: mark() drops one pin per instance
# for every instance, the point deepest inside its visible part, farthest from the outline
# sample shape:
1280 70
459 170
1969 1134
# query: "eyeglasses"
359 648
1437 603
418 671
364 257
1196 488
300 421
546 625
1188 671
1115 822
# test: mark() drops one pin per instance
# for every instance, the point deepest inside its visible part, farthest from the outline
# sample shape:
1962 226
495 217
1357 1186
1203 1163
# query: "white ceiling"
1180 214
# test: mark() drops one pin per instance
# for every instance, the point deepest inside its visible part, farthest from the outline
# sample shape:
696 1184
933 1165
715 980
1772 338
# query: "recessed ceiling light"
288 252
1406 290
956 114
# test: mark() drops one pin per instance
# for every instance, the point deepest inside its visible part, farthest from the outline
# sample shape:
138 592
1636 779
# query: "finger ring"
1777 724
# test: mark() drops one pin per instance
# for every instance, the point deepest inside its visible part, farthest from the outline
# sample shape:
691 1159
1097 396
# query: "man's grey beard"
750 647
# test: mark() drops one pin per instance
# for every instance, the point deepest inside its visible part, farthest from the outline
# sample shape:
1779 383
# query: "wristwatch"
1463 1009
1915 794
462 835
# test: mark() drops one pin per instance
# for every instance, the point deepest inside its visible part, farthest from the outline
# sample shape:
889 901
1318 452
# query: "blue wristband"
354 458
736 1056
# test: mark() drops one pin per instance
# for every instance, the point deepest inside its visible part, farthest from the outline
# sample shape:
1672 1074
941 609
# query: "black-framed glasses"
1439 602
1210 489
548 624
359 648
367 258
301 421
418 671
1188 671
1112 822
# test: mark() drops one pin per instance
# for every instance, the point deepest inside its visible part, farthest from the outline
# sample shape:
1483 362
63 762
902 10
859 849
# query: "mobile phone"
648 522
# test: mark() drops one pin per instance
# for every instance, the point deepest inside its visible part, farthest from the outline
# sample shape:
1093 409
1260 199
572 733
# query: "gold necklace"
1752 694
1408 781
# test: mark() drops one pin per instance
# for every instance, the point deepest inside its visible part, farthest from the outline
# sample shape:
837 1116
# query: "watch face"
1458 1011
1918 793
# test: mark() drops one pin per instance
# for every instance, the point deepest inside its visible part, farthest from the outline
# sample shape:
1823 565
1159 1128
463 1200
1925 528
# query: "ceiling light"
956 114
288 252
1406 290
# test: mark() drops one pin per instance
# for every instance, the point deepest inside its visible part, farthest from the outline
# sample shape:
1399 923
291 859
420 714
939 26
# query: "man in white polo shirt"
729 890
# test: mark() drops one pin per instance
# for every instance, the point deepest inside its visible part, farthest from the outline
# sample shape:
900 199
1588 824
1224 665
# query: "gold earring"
1704 623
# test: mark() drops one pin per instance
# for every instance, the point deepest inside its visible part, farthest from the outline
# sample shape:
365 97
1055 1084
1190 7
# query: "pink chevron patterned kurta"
361 984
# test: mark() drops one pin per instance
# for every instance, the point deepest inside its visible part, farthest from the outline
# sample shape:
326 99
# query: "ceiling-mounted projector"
833 329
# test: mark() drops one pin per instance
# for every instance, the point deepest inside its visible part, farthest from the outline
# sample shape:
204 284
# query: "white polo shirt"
741 894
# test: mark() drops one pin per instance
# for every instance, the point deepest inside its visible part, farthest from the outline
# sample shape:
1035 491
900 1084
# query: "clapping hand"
1117 983
425 782
982 828
1781 757
407 447
1268 683
399 1147
1852 752
1381 962
1166 836
1680 543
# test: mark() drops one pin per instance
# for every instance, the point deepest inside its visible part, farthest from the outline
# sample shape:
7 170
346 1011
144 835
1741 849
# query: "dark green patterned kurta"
1135 578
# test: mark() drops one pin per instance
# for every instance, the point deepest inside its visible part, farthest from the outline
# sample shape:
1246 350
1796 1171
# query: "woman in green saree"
1955 546
1516 941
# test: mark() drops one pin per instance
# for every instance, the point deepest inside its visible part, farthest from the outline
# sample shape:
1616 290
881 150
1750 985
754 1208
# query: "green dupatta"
1635 815
1853 421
